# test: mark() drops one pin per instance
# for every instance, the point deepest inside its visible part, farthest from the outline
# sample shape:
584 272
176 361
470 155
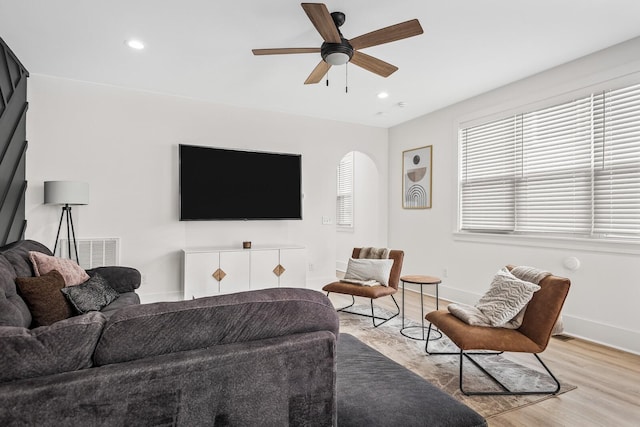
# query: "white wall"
125 144
366 214
603 300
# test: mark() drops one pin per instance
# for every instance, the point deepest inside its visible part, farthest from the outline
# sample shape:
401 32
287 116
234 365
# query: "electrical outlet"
327 220
445 272
311 267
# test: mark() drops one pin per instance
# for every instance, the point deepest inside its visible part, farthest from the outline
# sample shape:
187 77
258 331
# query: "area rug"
442 371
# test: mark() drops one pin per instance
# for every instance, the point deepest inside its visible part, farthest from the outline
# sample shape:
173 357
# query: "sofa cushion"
17 253
92 295
13 309
14 261
43 296
73 274
147 330
124 300
65 346
374 390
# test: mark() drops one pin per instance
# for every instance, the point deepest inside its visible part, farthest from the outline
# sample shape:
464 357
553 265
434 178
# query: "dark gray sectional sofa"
254 358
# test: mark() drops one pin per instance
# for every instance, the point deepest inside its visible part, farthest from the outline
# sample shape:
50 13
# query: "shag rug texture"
443 371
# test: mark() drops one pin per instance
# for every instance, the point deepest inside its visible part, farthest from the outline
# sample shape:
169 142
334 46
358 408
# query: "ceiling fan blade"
388 34
318 73
322 20
372 64
286 50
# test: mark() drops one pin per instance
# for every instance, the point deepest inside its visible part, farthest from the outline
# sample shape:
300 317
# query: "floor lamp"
66 193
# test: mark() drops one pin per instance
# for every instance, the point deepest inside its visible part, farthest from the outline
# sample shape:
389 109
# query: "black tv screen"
223 184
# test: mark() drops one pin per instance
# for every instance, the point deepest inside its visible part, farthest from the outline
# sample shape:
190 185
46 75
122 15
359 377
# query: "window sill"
573 243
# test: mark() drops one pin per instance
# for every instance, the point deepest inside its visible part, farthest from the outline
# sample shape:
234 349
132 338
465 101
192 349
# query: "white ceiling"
202 48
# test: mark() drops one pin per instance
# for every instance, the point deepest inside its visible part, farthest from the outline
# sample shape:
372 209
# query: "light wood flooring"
608 380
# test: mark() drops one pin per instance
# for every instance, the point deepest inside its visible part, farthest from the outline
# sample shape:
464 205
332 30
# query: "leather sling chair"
371 292
531 337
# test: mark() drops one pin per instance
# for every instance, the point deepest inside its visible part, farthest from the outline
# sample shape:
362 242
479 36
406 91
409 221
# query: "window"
570 169
344 214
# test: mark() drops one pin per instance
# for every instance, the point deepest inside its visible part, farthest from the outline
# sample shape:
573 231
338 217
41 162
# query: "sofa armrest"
148 330
122 279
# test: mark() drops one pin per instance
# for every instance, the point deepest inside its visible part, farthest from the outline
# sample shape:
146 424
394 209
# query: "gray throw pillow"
505 298
92 295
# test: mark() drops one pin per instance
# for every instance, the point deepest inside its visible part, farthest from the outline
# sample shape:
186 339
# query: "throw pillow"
369 269
73 274
505 298
92 295
44 299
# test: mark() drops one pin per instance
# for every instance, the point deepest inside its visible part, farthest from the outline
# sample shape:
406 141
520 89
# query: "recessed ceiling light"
135 44
383 95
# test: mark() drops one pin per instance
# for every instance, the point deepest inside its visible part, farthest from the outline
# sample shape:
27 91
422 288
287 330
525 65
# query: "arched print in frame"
416 178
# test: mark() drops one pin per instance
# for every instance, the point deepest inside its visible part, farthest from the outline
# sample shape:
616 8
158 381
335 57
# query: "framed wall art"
416 178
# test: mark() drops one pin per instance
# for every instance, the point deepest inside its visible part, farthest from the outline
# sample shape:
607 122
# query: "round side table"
422 281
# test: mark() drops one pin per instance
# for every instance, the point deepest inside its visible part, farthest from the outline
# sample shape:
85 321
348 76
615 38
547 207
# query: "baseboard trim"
601 333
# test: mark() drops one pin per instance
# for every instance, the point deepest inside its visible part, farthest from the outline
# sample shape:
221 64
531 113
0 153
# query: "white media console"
216 271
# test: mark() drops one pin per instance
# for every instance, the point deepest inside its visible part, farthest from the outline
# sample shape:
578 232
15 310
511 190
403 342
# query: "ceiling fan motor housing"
336 53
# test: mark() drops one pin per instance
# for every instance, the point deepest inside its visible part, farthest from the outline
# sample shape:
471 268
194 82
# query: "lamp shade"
66 193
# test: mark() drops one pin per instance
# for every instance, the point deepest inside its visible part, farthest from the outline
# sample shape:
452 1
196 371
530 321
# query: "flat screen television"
223 184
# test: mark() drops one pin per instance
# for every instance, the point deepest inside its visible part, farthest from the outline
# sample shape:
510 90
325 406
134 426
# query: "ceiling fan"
337 50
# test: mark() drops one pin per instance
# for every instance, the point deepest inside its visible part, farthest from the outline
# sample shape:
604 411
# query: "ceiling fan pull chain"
328 77
346 78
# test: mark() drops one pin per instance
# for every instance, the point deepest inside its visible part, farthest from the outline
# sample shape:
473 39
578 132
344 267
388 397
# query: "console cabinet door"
235 266
228 271
294 261
199 269
263 264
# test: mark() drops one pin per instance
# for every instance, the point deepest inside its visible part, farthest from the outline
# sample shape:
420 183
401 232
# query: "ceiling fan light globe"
337 58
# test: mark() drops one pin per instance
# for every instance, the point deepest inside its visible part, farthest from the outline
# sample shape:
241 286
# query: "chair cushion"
375 291
469 337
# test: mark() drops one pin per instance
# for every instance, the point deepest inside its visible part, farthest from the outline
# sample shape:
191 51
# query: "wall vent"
562 337
93 252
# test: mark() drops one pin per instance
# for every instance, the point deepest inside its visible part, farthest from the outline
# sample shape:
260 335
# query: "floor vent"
93 252
562 337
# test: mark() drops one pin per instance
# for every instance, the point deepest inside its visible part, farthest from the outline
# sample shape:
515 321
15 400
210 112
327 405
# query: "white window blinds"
344 203
570 169
617 165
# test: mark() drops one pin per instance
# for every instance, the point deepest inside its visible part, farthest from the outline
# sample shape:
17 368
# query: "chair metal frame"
372 316
505 390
